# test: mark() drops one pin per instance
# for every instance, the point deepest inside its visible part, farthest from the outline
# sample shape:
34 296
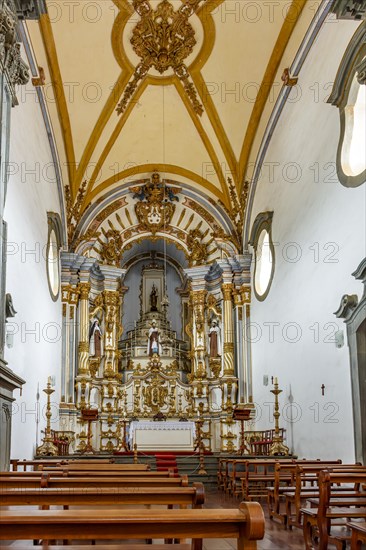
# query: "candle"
276 380
49 380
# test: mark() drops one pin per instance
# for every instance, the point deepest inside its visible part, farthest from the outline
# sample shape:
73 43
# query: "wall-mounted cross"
322 387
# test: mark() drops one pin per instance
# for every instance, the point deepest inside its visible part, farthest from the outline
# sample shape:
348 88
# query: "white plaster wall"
306 292
30 196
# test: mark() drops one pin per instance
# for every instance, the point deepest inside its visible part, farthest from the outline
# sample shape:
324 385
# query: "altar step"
165 461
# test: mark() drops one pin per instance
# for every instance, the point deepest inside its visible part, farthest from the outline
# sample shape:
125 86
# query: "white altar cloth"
163 436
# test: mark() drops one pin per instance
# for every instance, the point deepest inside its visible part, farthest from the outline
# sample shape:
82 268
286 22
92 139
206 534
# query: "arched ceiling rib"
232 70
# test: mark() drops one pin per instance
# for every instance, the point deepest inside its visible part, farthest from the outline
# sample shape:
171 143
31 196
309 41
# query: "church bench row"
92 547
307 486
91 481
303 478
100 467
16 464
245 524
231 470
318 524
193 496
65 472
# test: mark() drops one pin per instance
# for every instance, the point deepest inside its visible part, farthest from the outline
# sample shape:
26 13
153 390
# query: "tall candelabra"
123 446
277 447
201 448
48 448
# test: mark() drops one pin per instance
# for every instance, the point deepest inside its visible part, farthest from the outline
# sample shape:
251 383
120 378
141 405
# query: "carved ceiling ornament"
163 39
111 251
155 207
197 248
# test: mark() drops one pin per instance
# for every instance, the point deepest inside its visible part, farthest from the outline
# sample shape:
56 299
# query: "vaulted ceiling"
184 88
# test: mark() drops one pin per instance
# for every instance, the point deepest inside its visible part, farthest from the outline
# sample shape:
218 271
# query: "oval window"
353 157
263 264
53 264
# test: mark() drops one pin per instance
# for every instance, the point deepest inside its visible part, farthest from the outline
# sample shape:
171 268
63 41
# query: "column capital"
84 290
227 291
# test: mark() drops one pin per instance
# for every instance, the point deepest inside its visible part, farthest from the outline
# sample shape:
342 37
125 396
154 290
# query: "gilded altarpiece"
150 370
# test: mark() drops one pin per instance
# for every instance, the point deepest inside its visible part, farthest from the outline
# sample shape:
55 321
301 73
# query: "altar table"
162 436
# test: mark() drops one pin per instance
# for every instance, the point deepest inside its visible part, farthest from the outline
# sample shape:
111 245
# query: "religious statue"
214 339
154 299
153 343
95 339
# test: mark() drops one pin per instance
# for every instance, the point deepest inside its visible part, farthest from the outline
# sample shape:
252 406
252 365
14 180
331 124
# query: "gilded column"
247 356
227 291
198 298
112 315
83 347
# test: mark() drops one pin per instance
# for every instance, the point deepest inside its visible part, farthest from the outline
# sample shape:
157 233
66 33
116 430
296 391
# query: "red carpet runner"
166 461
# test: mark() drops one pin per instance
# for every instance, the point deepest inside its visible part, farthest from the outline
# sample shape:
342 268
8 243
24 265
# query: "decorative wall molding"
350 9
12 65
351 62
29 9
353 311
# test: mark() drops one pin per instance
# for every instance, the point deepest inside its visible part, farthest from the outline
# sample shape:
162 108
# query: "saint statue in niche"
95 339
153 343
214 340
154 298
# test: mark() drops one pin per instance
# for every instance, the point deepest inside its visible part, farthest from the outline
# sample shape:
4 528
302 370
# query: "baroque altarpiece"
156 326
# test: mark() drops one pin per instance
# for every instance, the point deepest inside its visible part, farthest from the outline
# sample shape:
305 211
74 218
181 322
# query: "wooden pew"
283 472
318 523
257 476
306 486
100 467
245 524
358 536
221 473
64 472
98 496
17 464
91 481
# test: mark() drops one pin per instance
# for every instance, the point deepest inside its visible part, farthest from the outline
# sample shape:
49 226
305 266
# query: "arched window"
53 254
349 95
261 241
353 157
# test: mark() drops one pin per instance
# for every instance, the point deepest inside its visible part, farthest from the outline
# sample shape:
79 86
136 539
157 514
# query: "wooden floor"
276 538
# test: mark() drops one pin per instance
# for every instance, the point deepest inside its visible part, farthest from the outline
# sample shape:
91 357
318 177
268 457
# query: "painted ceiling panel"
160 131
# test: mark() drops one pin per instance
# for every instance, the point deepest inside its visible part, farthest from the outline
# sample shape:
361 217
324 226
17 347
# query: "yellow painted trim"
284 36
120 124
204 137
146 168
61 104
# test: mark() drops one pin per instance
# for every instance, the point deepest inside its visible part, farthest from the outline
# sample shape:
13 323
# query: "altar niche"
152 333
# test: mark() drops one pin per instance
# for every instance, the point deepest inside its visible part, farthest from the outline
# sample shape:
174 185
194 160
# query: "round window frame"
53 228
263 222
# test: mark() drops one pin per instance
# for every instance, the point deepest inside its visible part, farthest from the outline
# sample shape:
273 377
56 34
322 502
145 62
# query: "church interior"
182 289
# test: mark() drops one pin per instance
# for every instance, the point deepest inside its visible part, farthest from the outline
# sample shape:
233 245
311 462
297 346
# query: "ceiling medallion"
155 208
163 39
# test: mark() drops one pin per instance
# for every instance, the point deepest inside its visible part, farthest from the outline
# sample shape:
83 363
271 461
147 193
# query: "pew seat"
93 547
358 537
246 524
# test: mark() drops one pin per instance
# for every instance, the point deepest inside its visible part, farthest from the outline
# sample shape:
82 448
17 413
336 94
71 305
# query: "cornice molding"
13 67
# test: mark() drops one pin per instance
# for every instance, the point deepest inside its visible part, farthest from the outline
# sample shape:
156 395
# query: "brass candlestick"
277 447
201 448
48 448
135 454
123 445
